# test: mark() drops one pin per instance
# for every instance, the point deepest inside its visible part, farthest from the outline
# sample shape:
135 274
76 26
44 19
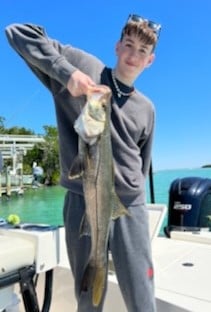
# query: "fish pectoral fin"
85 227
118 208
77 169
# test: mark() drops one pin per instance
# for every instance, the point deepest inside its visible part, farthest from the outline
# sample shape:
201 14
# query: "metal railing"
11 144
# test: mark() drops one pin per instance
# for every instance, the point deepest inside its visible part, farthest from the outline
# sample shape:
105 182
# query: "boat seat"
16 266
15 253
157 213
25 252
203 236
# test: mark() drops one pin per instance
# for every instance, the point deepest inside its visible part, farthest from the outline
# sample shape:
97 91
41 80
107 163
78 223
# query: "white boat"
182 269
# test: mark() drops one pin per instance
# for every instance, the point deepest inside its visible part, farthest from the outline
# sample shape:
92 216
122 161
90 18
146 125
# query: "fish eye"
104 104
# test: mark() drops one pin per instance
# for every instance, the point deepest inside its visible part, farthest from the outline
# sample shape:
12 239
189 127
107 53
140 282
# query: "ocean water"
44 205
163 179
41 205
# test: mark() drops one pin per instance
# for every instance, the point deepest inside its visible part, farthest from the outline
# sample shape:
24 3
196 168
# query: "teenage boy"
70 74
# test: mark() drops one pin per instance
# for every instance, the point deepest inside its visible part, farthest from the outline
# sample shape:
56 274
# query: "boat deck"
182 280
182 273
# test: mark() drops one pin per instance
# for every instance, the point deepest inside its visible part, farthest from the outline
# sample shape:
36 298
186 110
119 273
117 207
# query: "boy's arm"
44 56
40 52
146 149
50 60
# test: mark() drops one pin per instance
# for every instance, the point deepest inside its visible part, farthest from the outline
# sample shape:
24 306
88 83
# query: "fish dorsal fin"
84 227
77 169
118 208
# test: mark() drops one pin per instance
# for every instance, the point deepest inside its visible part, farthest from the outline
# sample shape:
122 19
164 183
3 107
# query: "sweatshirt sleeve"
46 57
146 149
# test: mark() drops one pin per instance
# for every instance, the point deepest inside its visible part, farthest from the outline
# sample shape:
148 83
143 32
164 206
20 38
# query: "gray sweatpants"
130 246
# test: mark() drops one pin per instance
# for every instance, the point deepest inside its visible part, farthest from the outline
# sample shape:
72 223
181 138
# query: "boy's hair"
142 31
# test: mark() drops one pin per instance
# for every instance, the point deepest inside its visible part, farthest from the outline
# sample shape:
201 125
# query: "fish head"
99 102
95 115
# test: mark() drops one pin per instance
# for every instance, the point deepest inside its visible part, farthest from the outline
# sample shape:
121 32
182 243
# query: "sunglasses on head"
154 26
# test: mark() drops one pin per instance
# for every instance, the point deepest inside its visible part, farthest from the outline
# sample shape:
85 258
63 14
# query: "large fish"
95 165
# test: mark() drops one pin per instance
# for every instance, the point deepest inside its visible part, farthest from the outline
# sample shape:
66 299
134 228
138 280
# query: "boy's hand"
81 84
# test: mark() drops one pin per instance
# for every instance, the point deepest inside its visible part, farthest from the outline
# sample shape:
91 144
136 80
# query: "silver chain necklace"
119 92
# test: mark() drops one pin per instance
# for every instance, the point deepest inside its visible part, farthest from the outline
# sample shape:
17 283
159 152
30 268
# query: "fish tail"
94 278
98 286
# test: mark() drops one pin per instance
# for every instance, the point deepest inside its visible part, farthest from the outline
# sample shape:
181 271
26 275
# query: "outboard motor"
189 205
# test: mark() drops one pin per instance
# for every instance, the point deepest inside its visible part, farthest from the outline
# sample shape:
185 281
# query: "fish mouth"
98 102
102 95
97 110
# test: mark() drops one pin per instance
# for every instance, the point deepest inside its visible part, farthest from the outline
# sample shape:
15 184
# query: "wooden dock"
14 147
8 188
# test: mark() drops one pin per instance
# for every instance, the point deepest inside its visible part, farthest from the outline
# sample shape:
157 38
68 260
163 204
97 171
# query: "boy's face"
133 57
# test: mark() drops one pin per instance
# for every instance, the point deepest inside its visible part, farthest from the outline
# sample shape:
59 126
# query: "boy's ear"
117 47
151 59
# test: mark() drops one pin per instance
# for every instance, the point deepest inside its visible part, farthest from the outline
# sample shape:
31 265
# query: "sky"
178 82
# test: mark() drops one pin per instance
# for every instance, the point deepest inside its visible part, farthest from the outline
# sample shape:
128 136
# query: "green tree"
35 154
51 155
46 155
2 127
14 129
19 130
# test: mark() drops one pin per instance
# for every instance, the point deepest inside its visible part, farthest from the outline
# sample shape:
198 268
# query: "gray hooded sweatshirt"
132 118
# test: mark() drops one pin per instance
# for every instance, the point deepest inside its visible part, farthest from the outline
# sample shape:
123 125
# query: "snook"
95 164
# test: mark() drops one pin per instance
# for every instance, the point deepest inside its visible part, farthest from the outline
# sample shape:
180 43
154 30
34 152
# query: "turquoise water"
44 205
164 178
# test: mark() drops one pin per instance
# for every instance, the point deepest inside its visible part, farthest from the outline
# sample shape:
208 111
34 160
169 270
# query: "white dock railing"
10 144
15 147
